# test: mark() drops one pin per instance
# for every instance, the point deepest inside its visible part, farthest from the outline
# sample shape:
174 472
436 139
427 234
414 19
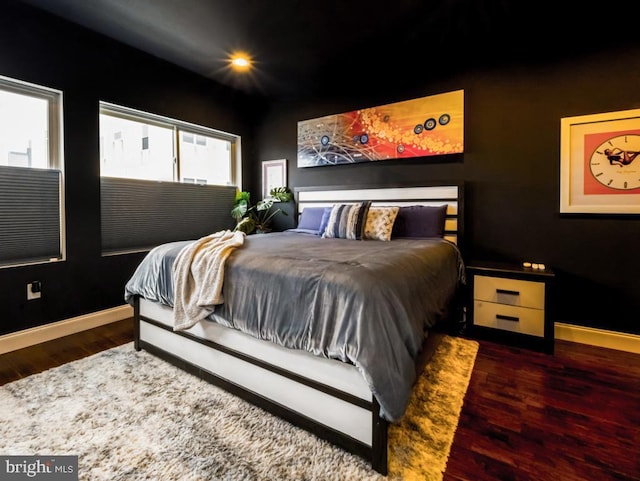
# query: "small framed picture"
274 174
600 163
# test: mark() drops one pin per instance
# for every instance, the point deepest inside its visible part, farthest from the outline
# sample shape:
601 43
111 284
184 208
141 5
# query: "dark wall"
510 166
510 169
42 49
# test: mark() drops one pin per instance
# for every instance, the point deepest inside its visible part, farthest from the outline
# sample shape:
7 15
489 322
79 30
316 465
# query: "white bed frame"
327 397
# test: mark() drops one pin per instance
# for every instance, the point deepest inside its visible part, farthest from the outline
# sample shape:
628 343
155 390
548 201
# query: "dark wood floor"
573 416
31 360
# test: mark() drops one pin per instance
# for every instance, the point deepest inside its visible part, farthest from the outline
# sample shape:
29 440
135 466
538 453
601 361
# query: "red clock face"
612 163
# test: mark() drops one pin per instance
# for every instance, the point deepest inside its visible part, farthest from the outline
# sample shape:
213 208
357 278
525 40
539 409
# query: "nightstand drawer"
514 292
524 320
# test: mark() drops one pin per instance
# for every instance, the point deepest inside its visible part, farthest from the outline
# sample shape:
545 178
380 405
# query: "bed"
327 332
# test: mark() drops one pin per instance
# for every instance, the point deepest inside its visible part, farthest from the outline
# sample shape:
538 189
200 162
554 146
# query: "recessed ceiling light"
240 62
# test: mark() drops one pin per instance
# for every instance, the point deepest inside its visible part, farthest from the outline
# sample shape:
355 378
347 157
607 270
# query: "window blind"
30 223
141 214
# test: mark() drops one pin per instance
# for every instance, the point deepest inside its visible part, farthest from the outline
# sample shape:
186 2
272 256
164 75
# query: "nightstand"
509 303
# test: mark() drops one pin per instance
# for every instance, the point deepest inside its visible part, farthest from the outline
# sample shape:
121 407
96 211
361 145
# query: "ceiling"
303 47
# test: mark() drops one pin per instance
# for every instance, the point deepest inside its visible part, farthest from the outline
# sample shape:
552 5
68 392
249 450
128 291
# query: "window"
31 202
162 180
139 145
126 150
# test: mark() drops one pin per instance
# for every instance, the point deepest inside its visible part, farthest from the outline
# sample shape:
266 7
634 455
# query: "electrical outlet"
34 290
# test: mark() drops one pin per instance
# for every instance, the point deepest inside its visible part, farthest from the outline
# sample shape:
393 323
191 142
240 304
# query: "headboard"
451 194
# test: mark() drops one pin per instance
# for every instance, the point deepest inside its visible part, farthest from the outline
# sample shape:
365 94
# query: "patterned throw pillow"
347 221
379 223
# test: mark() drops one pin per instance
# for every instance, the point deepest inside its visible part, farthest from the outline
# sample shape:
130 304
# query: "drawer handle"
506 291
507 318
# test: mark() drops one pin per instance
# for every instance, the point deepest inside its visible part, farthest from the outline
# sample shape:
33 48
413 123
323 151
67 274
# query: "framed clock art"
600 163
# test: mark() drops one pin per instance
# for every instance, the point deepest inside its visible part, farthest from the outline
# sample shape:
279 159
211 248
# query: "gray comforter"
369 303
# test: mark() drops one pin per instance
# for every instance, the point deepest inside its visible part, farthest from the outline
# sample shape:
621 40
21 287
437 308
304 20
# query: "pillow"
420 221
325 220
310 218
379 224
347 221
303 231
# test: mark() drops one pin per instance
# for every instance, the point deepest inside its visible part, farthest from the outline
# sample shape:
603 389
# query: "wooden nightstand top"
508 269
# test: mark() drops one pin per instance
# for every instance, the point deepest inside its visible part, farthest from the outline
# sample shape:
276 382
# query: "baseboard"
620 341
48 332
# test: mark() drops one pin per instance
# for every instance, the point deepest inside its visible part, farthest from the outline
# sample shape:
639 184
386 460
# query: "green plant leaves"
240 209
254 217
283 194
246 225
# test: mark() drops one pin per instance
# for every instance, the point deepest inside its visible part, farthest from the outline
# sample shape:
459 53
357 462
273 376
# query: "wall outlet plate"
32 295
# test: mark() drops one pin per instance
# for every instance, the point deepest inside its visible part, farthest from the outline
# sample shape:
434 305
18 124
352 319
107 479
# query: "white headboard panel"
433 195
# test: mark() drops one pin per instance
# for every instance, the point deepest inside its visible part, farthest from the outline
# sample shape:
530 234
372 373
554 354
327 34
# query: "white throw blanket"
198 274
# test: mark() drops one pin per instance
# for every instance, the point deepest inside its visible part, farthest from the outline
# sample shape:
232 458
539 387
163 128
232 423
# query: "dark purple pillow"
420 221
310 218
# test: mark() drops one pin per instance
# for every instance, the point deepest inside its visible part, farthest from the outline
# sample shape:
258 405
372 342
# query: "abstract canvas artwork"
428 126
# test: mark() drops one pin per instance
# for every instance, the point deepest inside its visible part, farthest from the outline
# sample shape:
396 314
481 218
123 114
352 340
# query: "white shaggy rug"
131 416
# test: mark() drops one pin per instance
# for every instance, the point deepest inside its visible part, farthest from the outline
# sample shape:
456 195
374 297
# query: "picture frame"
430 127
600 163
274 174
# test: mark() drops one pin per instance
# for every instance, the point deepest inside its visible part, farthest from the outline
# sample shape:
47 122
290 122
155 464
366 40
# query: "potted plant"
256 217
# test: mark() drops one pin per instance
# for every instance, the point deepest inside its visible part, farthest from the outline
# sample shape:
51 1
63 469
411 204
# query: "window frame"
55 120
179 126
54 99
